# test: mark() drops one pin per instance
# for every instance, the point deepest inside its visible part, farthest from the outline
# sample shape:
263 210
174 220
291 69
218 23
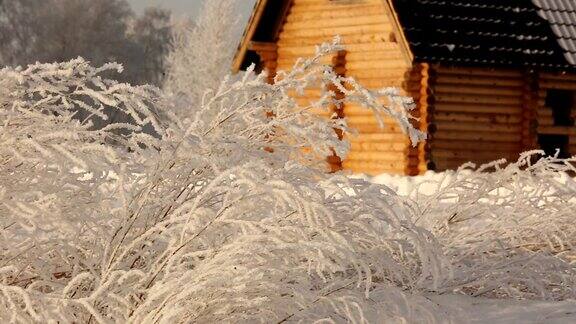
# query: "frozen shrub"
508 228
53 147
228 215
212 221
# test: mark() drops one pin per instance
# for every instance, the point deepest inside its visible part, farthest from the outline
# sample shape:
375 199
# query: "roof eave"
398 30
248 33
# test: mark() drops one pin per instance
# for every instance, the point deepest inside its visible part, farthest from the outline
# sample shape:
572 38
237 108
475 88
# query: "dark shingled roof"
511 33
561 14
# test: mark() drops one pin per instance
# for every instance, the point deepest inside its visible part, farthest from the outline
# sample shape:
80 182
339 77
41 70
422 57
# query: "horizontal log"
478 99
322 113
477 117
415 96
379 137
443 164
471 71
305 102
398 72
375 156
342 3
303 15
373 128
354 110
478 136
382 29
471 89
368 119
288 55
544 111
309 2
367 57
472 126
558 76
330 6
290 61
474 155
377 83
562 85
308 93
458 161
353 50
288 64
262 46
384 164
371 47
478 160
356 168
477 108
407 163
306 41
345 40
294 52
268 57
545 121
557 130
542 92
474 145
492 81
363 20
376 64
378 147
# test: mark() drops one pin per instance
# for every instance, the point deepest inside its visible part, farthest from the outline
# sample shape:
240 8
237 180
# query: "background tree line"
98 30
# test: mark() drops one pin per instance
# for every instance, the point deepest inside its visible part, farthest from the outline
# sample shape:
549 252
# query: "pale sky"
184 7
192 8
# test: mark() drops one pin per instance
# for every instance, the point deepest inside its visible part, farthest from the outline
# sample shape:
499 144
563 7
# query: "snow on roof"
561 14
508 33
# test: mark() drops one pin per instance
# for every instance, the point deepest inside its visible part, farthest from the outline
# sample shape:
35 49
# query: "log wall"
417 84
373 56
471 114
478 115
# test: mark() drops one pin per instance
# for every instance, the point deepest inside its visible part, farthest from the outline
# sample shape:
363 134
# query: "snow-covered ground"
496 311
430 182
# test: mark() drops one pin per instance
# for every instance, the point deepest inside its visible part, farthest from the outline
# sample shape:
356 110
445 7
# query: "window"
550 143
561 103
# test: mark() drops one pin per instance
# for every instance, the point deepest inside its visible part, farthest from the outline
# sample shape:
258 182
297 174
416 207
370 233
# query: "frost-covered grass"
510 234
228 216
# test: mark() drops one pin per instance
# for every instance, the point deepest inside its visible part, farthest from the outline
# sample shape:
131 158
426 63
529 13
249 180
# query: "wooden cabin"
491 78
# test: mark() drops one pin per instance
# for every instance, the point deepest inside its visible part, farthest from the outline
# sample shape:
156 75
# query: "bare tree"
16 31
206 47
152 32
